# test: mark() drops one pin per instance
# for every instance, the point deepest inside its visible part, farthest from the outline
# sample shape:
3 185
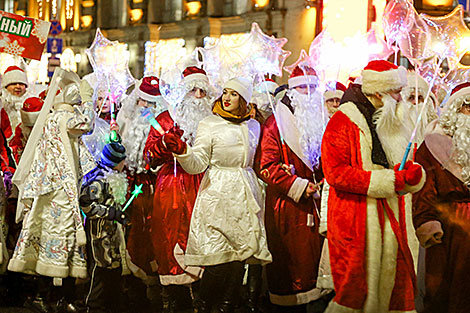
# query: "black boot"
200 306
168 301
253 288
233 282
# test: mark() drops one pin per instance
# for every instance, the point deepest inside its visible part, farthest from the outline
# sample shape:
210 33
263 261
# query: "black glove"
117 215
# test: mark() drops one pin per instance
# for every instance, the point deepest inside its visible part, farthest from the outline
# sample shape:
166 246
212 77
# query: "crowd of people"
258 198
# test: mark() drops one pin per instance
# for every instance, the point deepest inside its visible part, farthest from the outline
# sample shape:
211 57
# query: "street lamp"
193 7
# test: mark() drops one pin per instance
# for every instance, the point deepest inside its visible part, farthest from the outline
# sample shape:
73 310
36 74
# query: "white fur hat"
382 76
241 85
14 74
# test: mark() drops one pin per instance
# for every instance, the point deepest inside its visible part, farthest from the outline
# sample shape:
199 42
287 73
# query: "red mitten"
400 180
414 173
174 143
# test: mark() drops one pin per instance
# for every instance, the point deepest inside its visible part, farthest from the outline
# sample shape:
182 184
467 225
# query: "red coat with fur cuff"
359 231
295 247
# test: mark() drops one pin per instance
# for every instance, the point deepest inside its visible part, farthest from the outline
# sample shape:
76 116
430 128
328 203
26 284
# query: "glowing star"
257 55
448 35
109 60
134 194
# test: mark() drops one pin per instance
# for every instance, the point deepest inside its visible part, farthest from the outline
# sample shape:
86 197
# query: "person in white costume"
227 225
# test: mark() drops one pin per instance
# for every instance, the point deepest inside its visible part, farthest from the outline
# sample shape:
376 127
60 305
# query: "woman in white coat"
227 225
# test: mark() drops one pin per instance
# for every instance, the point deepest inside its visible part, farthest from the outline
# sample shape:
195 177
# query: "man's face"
332 105
412 98
145 104
17 89
305 89
197 93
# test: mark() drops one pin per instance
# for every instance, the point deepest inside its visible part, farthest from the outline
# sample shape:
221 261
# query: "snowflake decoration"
14 48
41 30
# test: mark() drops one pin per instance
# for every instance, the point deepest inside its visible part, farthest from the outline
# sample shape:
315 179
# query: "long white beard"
134 142
412 113
189 113
393 128
264 102
118 184
12 105
461 143
311 118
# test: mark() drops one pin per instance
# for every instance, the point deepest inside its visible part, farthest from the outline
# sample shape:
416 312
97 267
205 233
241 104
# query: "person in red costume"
441 209
371 263
135 129
29 113
13 93
292 174
175 195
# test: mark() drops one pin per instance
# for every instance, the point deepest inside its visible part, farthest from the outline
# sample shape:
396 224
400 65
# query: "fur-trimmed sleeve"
269 160
342 161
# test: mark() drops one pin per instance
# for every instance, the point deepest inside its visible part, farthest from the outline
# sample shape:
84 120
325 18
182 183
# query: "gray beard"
461 142
134 142
392 128
188 114
311 118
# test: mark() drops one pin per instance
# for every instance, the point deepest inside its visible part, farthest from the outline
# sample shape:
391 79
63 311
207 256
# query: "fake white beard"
118 185
12 105
411 117
461 143
264 103
393 128
189 113
134 142
311 118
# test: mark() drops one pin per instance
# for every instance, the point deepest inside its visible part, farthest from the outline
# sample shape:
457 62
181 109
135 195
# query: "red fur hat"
149 89
192 73
302 76
30 110
334 90
14 74
382 76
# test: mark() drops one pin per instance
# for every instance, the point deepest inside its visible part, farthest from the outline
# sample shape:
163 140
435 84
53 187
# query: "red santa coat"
17 143
372 270
142 255
170 221
444 202
295 247
6 124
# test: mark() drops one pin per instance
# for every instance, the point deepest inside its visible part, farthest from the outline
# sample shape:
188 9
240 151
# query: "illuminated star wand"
135 193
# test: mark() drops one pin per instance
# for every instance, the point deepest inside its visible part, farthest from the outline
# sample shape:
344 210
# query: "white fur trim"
193 77
331 94
427 230
302 80
146 96
322 229
15 76
351 111
297 189
334 307
194 271
374 81
182 279
81 237
325 279
268 86
298 298
382 184
29 118
464 92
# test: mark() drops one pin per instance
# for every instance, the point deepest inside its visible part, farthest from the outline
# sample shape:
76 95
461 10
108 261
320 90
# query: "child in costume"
102 194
